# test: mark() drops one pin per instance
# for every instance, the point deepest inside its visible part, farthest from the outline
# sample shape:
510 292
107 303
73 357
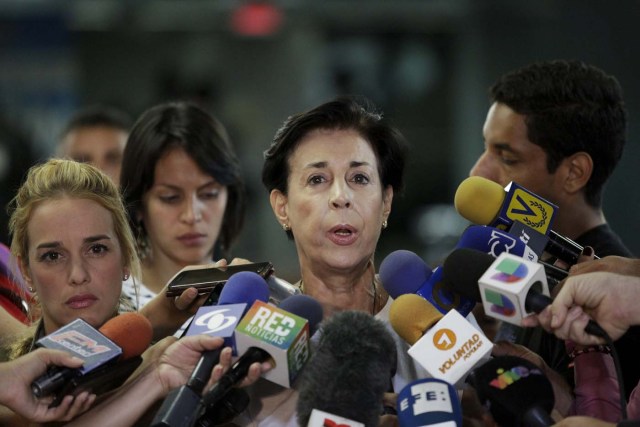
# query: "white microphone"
447 347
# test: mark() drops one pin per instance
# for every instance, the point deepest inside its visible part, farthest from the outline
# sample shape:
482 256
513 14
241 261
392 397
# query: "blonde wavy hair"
60 178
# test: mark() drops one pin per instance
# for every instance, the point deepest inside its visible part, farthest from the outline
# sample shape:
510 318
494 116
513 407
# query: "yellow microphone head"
479 200
411 316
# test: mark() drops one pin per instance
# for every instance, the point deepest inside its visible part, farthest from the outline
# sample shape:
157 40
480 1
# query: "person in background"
74 248
96 135
332 173
183 188
558 128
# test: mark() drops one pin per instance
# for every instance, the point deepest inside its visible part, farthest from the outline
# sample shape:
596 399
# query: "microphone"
320 418
509 287
404 272
446 346
492 241
267 333
240 291
350 370
429 402
483 201
515 390
121 338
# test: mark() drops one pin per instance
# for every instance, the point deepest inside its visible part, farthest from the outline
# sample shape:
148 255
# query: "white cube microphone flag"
451 348
505 285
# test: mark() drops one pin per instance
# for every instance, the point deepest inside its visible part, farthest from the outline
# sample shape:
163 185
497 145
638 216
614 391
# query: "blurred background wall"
426 63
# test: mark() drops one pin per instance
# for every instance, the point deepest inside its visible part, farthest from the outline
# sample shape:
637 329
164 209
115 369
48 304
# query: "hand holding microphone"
15 391
610 299
110 355
509 287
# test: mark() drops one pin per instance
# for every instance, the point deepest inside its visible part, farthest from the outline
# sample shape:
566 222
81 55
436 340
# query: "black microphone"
271 333
121 338
241 291
515 390
350 370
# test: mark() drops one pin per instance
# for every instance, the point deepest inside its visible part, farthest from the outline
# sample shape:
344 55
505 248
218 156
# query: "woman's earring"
286 227
31 289
384 224
125 277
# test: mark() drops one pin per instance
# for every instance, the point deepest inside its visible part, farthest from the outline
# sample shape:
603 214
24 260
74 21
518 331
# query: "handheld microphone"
267 333
350 370
122 337
429 402
515 390
509 287
404 272
492 241
483 201
448 347
240 291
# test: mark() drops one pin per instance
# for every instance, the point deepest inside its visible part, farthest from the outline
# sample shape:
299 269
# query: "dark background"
427 64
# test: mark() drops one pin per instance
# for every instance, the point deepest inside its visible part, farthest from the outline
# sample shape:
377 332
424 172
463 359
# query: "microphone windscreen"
411 315
463 268
513 387
131 331
479 200
244 287
350 370
305 307
403 272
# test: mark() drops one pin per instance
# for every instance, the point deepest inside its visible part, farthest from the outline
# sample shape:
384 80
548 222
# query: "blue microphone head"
305 307
427 402
244 287
403 272
491 241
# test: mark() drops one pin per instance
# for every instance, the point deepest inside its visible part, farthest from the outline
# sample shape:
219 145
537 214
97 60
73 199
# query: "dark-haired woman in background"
184 192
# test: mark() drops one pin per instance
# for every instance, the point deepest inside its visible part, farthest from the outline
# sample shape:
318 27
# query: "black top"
604 243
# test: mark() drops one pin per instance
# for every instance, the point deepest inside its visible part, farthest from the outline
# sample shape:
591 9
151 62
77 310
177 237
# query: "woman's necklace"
373 293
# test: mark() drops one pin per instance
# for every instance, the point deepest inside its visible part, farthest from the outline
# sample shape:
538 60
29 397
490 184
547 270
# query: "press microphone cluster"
521 212
180 407
404 272
349 372
281 335
110 355
508 286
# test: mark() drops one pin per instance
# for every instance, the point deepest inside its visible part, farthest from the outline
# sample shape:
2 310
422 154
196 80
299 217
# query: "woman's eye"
361 179
98 249
316 179
208 195
171 198
50 256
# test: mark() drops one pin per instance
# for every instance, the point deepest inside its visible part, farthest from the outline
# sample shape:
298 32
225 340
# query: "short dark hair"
570 107
98 115
204 138
346 112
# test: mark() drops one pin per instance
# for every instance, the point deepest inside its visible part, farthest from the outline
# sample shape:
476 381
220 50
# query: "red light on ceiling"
256 19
